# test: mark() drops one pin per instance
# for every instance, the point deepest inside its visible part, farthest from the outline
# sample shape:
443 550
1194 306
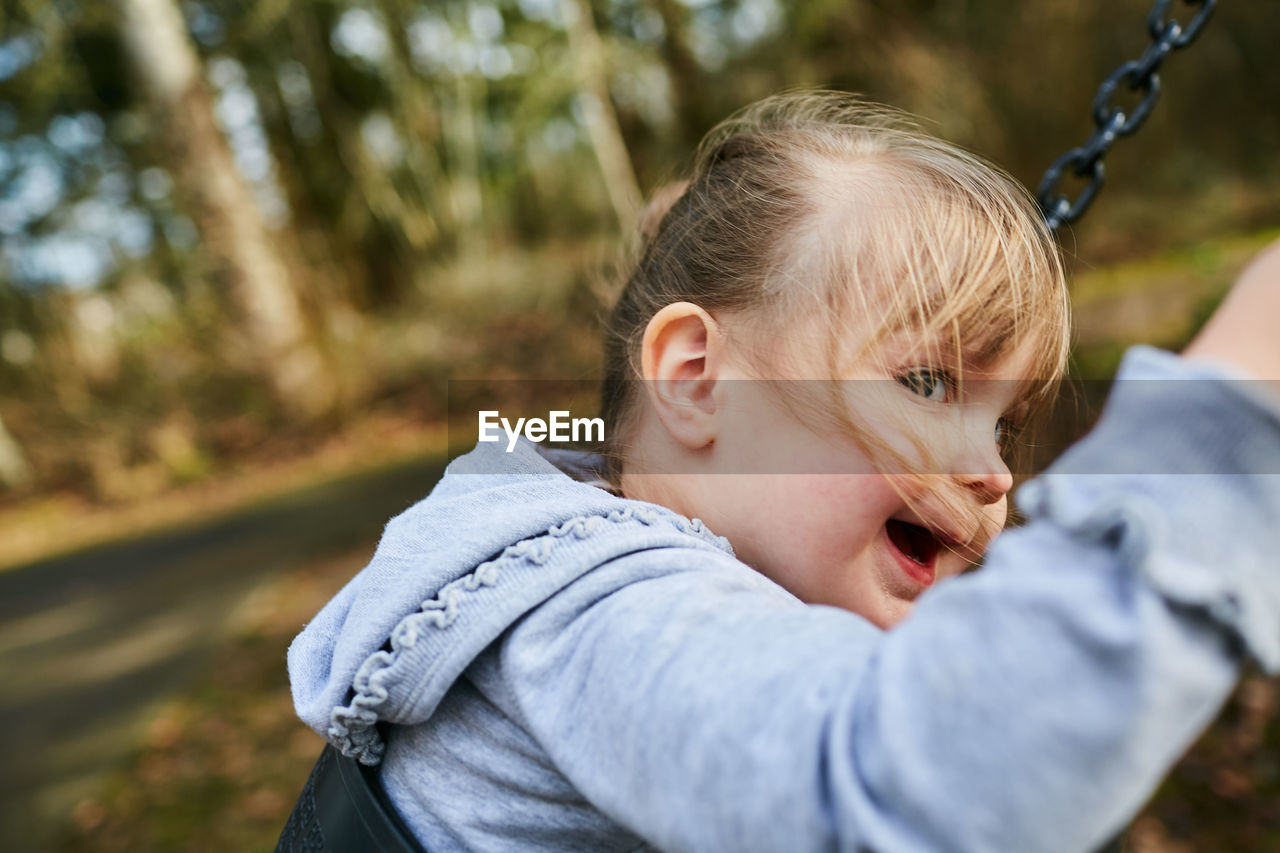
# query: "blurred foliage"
432 175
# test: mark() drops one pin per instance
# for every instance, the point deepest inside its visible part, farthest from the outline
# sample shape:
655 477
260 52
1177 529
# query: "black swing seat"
343 809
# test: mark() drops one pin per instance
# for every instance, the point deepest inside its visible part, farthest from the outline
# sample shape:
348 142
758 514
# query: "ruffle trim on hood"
353 728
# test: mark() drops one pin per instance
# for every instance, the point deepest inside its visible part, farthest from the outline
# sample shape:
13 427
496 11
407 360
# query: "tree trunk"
465 191
686 76
232 232
15 471
587 52
417 116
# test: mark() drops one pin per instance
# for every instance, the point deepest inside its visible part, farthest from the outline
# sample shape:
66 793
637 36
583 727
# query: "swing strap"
1112 122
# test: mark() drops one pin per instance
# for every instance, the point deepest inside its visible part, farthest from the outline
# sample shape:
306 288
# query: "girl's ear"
681 357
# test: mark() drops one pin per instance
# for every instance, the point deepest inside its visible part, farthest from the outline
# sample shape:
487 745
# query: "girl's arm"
1031 706
1242 332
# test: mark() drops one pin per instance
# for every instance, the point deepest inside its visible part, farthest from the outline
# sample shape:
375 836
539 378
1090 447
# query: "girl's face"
834 529
805 505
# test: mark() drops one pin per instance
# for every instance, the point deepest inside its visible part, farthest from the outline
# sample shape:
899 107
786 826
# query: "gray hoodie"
542 665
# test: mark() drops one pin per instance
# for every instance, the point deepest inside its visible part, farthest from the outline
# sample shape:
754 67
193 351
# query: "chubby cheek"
843 515
814 536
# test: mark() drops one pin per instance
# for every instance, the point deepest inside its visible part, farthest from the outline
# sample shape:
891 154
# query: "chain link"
1112 121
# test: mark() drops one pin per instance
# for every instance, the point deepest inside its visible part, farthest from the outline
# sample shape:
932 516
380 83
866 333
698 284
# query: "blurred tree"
15 470
358 206
596 107
234 237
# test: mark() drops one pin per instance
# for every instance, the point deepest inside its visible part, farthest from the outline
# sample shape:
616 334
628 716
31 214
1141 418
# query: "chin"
889 613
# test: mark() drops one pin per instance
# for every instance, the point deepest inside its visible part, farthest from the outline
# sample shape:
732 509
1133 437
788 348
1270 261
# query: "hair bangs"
932 241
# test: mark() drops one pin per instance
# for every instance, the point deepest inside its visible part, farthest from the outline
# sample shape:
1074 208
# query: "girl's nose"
983 471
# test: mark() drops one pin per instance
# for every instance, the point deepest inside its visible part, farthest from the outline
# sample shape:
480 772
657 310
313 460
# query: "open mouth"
916 543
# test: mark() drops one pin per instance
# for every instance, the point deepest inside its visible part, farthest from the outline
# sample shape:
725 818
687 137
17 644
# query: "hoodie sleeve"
1032 706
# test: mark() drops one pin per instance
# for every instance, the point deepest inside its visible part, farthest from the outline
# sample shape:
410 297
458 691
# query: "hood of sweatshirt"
498 535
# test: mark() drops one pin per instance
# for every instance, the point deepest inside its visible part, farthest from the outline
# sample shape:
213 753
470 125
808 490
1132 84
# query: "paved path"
90 641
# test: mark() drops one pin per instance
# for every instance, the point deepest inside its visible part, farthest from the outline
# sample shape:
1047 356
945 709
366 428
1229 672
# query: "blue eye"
928 383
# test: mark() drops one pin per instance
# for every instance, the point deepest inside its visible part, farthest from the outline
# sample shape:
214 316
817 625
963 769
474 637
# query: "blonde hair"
820 206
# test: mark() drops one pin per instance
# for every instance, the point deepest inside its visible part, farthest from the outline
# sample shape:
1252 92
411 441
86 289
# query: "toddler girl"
551 662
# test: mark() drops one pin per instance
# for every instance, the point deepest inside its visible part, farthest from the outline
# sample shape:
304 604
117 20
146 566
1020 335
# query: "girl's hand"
1245 330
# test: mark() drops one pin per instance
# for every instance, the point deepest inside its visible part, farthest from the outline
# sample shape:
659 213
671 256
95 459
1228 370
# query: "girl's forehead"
976 356
975 360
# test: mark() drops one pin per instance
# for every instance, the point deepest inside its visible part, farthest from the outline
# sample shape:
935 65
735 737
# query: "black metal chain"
1139 75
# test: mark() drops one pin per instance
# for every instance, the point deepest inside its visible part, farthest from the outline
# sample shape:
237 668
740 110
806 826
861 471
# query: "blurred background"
244 245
